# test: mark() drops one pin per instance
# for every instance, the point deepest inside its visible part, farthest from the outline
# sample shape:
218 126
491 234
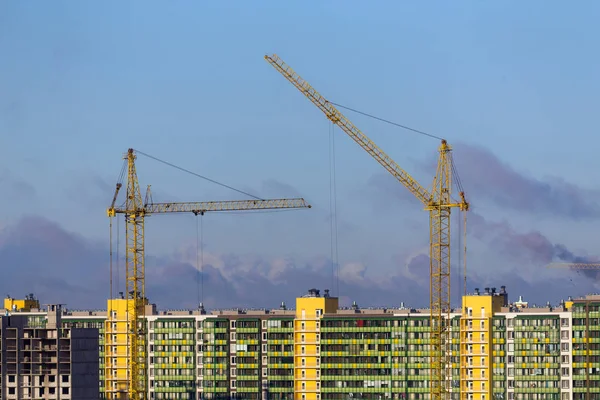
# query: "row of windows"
337 323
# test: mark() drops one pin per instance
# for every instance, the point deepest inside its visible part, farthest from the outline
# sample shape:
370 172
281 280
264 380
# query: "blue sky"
186 82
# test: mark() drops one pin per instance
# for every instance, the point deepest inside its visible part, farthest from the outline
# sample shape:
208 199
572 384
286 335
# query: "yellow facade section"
476 341
11 304
307 328
115 349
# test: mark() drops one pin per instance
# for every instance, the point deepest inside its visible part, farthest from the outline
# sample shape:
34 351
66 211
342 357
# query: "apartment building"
39 359
320 351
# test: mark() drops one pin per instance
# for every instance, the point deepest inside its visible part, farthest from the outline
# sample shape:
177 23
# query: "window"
302 338
264 336
302 350
232 360
233 324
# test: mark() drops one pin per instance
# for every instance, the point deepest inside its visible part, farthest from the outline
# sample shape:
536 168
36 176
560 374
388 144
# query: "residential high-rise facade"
320 351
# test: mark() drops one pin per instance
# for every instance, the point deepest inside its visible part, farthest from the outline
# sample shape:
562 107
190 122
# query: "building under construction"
42 358
319 351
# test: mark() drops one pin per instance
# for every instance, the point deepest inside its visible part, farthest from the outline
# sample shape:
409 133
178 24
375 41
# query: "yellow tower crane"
125 330
437 201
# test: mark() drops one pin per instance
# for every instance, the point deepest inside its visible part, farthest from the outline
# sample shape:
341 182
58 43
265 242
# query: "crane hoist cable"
200 259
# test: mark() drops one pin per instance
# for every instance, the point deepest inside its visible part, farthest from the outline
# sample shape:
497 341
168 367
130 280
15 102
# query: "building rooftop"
518 306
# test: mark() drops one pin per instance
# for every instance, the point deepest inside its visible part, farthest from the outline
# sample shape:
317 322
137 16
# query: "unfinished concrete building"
39 359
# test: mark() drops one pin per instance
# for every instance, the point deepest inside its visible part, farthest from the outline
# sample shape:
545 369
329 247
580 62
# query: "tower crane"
437 201
576 266
132 328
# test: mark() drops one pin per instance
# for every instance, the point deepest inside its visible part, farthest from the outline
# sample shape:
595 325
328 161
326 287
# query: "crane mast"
438 202
132 384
